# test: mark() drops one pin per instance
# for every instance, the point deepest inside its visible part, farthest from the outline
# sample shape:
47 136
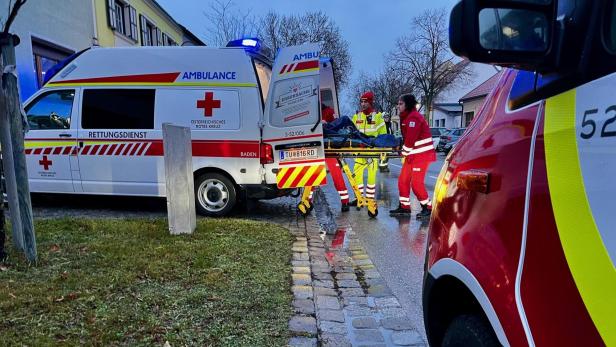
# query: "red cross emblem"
46 163
208 104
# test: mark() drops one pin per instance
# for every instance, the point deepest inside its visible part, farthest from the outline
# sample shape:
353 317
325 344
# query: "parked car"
444 144
436 134
521 246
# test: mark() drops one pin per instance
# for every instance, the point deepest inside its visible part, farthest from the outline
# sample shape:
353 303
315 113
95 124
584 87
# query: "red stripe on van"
226 149
282 70
29 151
135 148
156 149
37 151
47 151
143 148
67 150
293 138
148 78
119 149
57 150
128 148
103 149
305 65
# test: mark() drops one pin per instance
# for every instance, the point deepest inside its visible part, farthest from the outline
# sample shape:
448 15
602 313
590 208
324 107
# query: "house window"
468 117
122 18
168 41
150 34
46 55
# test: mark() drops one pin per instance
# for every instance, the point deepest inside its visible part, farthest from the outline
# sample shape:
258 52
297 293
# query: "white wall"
66 23
450 122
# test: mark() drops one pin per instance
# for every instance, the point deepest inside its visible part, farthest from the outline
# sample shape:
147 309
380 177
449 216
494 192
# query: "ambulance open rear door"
292 128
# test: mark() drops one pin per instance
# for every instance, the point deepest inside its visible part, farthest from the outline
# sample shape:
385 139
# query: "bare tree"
226 23
387 87
277 31
425 56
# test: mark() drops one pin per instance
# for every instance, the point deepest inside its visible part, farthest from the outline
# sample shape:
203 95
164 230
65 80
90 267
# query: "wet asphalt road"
396 245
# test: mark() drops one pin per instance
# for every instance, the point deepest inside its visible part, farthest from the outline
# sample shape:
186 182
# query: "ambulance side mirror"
509 33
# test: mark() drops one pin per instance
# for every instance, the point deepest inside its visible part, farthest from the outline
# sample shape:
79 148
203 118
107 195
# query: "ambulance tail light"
267 153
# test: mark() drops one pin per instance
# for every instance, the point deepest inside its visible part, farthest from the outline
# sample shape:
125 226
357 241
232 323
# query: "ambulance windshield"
264 73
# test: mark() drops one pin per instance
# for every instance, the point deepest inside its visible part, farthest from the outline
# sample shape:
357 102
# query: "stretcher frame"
305 205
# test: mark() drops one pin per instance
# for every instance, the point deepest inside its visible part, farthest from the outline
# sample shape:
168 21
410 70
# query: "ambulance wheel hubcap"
213 195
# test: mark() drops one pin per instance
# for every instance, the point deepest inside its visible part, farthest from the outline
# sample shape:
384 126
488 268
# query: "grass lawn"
128 282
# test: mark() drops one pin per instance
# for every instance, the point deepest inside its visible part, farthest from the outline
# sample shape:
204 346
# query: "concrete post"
179 179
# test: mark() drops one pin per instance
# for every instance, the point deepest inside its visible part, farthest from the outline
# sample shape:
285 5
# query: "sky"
370 27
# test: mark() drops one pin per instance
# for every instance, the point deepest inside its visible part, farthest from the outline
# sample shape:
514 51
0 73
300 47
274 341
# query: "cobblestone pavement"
340 298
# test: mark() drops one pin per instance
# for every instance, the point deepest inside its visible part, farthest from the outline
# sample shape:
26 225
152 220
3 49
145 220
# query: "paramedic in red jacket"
418 152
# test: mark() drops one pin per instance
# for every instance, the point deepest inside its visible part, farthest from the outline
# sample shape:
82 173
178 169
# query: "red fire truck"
522 241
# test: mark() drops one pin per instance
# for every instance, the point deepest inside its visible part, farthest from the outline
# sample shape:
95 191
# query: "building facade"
50 31
478 74
138 23
474 100
446 115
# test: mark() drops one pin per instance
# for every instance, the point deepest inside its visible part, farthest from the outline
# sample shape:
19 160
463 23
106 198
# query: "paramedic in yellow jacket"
371 123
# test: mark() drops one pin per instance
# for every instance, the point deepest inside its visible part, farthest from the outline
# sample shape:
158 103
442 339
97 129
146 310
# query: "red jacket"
327 114
418 146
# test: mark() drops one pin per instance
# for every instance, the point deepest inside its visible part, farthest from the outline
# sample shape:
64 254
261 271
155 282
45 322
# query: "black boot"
425 212
353 202
400 211
345 207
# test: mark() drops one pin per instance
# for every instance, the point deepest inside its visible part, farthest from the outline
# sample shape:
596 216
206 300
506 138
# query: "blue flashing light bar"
248 43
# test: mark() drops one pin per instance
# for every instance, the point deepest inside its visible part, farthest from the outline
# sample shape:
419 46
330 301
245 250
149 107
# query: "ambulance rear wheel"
215 195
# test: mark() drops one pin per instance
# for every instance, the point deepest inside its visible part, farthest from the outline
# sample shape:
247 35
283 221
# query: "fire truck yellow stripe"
588 259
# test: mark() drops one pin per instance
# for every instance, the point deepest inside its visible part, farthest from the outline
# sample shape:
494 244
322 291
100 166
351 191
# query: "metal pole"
18 188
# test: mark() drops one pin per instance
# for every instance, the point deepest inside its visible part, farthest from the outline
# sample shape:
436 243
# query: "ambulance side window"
118 109
51 110
327 97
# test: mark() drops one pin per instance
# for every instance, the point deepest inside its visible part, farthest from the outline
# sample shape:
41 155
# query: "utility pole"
12 144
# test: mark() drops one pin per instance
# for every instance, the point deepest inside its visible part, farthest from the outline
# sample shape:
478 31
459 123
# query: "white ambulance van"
95 127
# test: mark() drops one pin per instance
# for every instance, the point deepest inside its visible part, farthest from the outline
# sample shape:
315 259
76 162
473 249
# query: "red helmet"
367 96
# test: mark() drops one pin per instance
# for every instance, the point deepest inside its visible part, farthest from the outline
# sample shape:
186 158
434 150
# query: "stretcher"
352 152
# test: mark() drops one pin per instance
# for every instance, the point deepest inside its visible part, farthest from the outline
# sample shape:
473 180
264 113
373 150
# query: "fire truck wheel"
469 330
215 195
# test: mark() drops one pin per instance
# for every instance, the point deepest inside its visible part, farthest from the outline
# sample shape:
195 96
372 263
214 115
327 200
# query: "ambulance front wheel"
215 195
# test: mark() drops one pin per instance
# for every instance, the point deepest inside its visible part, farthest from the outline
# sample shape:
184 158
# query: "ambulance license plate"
298 154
